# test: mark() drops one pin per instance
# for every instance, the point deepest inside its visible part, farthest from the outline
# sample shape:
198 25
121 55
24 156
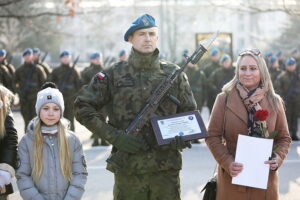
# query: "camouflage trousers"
162 185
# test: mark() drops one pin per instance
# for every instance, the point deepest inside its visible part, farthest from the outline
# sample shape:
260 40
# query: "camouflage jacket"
28 81
219 78
127 87
274 73
45 67
89 72
197 80
68 84
209 69
287 86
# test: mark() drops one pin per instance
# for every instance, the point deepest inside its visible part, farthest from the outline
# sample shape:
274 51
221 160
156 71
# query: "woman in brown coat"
250 90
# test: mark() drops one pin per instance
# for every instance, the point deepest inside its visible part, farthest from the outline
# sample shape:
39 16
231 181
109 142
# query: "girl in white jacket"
52 164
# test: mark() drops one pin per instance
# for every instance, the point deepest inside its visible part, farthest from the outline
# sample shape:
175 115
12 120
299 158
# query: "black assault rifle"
118 159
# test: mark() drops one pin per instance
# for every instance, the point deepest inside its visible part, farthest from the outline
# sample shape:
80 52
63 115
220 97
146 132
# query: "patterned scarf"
251 101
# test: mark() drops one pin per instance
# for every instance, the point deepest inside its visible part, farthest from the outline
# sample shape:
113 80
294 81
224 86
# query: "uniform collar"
141 61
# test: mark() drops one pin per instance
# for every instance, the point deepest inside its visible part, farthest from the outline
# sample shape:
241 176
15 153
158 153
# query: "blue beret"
268 53
27 51
64 53
36 50
2 52
279 53
272 59
95 55
290 61
214 52
295 50
185 52
224 58
122 52
144 21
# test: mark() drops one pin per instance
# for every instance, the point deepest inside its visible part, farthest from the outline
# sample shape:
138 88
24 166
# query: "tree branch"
9 2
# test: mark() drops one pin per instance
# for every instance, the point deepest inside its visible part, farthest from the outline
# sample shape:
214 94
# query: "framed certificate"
188 124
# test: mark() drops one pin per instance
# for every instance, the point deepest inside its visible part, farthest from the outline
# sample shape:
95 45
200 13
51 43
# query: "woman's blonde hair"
265 79
63 146
6 97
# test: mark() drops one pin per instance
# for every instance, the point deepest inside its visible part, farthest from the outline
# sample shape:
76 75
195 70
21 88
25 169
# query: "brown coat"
235 124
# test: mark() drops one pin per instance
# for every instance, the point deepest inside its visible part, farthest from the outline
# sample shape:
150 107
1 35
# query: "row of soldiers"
206 82
27 80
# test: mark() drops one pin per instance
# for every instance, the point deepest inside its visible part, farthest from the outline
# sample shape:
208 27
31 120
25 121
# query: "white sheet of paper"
252 152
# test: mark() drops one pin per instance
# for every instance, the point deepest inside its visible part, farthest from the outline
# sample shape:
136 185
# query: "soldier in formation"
208 70
67 78
41 62
148 171
7 71
220 77
87 74
274 68
288 86
29 78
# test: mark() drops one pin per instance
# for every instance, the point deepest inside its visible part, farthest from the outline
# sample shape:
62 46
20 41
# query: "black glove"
129 143
179 144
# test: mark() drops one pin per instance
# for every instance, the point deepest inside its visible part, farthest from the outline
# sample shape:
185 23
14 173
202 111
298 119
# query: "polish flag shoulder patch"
101 75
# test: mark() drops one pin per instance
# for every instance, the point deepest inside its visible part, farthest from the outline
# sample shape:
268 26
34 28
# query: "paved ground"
198 166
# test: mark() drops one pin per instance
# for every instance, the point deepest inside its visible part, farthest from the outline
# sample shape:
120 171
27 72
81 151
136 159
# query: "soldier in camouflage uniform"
151 171
208 70
279 56
288 86
274 68
36 60
197 80
220 77
86 75
68 80
96 66
7 71
28 81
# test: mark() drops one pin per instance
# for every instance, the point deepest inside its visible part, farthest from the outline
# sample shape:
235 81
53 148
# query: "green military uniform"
288 86
28 81
89 72
208 70
217 80
68 81
274 73
150 174
86 76
45 67
197 80
7 75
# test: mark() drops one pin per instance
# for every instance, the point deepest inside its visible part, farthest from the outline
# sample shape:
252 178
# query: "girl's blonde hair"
63 146
265 79
6 97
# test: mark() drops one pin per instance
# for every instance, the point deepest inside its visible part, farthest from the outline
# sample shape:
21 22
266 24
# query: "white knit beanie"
49 95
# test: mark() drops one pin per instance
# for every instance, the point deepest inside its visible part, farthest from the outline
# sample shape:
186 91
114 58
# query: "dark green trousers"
163 185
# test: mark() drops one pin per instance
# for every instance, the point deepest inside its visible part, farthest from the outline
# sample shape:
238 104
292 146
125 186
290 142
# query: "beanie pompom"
48 84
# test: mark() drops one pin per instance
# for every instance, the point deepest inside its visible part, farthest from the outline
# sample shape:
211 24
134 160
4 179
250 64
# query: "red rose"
261 115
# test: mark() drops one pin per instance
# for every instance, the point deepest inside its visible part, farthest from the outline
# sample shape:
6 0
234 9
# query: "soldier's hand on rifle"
179 143
129 143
